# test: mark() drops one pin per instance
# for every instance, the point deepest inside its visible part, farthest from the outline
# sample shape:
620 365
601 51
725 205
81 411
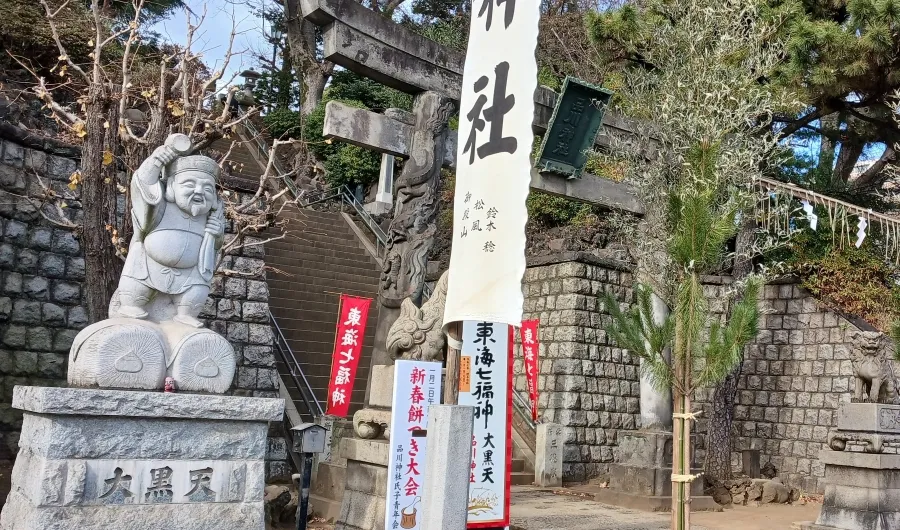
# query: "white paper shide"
493 164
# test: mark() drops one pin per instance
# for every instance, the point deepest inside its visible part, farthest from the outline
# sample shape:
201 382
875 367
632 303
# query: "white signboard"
485 385
417 385
493 165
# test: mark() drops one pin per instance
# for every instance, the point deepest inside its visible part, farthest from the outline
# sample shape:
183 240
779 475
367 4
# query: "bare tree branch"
64 55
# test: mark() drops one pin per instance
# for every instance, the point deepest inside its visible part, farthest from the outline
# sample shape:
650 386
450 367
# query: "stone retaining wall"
792 381
587 384
41 300
794 377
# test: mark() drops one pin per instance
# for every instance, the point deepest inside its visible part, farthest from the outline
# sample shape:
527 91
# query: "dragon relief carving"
412 230
873 370
417 333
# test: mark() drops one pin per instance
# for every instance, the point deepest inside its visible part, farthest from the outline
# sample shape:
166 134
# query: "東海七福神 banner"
493 165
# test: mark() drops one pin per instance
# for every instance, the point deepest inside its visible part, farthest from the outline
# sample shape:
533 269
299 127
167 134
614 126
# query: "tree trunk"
718 427
302 47
98 197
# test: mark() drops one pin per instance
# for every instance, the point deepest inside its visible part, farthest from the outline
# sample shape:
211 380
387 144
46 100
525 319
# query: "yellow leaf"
91 42
106 180
78 129
107 156
72 186
63 205
328 141
63 57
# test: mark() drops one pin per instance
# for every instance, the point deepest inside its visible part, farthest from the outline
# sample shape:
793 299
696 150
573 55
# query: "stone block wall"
793 379
587 384
41 300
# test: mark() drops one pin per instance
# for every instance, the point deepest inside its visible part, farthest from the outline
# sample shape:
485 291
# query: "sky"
212 37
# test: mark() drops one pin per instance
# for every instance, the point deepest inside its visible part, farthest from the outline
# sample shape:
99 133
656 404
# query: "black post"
303 505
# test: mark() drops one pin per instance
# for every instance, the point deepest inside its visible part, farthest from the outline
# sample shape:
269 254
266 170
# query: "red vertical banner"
530 348
348 341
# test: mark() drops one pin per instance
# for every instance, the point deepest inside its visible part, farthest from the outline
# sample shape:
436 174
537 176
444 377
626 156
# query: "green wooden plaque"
576 121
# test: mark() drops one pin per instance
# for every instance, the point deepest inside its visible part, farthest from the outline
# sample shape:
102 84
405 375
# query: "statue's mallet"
179 143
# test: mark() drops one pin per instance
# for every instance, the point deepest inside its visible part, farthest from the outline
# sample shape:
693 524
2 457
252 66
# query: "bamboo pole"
451 379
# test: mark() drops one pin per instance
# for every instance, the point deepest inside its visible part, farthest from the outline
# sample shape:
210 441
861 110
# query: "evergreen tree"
842 57
692 80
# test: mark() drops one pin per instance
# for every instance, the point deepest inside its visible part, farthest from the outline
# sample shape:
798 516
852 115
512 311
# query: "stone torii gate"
374 46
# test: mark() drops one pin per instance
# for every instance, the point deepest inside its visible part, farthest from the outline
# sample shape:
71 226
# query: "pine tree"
694 81
842 57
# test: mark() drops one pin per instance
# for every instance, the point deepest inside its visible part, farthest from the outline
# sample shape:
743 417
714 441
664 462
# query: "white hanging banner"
493 164
417 385
485 384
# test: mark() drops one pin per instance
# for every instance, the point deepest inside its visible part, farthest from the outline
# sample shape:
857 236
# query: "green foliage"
352 165
552 210
283 123
856 281
548 79
346 85
638 332
345 164
725 345
452 33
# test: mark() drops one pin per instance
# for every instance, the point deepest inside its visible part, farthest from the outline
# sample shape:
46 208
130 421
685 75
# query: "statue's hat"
201 163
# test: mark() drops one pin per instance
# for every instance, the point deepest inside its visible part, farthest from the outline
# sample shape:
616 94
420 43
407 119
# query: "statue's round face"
195 192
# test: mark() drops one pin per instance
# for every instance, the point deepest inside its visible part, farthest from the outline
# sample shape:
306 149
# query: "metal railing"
262 151
523 409
295 372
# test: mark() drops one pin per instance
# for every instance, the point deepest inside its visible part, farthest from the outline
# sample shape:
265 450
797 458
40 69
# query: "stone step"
362 267
521 478
323 286
336 273
359 258
321 256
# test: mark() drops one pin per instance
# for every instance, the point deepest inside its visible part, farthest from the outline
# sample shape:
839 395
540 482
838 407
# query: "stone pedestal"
548 455
365 492
108 459
642 478
446 497
862 470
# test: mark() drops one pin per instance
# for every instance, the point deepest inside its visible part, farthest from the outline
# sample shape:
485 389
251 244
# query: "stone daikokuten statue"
153 330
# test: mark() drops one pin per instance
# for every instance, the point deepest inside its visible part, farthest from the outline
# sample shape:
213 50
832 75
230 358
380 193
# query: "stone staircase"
321 257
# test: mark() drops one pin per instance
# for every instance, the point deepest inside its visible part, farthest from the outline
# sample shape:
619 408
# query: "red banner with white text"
530 348
348 342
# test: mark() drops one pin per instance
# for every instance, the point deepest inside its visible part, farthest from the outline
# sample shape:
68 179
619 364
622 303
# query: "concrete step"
521 478
518 465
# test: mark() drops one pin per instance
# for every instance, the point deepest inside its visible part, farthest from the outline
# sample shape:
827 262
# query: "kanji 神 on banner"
530 350
416 387
493 164
488 348
348 342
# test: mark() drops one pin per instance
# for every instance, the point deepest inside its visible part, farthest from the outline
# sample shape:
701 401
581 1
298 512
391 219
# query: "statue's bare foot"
188 320
131 311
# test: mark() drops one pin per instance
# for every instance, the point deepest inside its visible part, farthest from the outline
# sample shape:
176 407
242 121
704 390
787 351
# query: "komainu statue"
417 334
873 369
153 330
